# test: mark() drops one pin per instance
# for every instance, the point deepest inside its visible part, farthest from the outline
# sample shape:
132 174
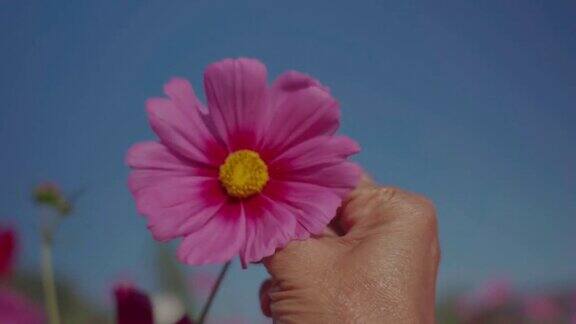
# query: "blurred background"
472 103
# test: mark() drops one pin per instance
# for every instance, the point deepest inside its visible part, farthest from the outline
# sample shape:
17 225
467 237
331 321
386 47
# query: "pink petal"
313 206
236 91
180 91
317 152
177 206
257 246
341 177
220 239
267 227
179 125
181 220
175 196
171 191
140 179
303 109
320 161
153 162
156 156
291 81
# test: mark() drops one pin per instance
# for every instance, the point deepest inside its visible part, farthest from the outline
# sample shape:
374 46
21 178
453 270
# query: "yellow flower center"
243 174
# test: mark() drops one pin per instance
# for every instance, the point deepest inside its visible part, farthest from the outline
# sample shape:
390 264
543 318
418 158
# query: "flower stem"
210 300
50 297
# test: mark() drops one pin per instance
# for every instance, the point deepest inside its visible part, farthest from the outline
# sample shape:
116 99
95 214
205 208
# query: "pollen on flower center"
243 174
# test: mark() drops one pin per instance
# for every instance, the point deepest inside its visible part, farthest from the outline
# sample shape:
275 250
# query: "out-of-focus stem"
48 282
210 300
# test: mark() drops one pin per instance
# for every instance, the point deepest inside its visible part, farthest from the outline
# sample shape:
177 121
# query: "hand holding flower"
381 270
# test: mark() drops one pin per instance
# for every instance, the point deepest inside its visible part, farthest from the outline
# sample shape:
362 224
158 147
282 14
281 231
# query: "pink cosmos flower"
259 166
7 251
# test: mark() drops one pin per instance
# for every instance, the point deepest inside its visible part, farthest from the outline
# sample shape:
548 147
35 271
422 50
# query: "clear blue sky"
472 103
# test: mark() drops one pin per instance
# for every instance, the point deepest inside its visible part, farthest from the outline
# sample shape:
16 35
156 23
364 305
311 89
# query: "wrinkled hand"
381 269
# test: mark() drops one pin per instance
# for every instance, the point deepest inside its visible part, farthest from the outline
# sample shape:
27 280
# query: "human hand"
381 268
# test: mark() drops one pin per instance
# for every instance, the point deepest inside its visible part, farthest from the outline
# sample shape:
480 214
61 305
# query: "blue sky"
469 102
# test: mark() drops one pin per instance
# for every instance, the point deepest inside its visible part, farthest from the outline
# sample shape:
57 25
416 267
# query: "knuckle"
422 214
426 205
386 194
428 217
427 226
415 207
426 211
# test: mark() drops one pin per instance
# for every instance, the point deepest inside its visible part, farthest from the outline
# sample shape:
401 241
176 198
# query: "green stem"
50 297
210 300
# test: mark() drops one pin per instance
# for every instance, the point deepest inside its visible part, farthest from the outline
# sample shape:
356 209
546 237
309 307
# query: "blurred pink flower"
495 293
541 308
491 294
132 305
16 309
7 251
260 166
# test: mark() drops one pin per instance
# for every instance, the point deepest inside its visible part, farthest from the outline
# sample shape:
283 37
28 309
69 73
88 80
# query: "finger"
364 192
329 231
365 186
298 257
265 289
333 229
288 258
375 207
366 183
358 209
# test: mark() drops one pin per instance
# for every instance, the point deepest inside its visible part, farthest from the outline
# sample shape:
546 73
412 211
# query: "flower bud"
132 305
49 194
